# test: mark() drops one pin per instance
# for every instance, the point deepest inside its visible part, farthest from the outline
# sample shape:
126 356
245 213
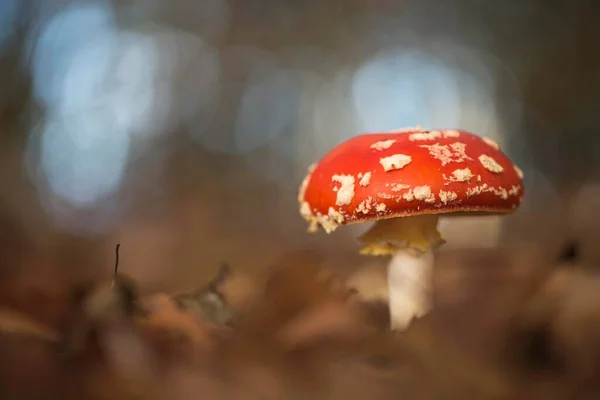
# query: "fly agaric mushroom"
403 180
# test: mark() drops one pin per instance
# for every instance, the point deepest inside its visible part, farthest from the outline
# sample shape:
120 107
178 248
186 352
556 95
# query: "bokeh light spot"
83 158
268 108
405 88
64 36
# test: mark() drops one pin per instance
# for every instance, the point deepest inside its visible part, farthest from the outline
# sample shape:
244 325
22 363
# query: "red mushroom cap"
409 172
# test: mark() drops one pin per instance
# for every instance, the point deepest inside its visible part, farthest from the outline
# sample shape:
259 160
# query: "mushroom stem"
409 285
411 242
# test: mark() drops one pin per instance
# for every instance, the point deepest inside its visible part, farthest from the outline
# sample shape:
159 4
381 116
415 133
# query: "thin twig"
117 258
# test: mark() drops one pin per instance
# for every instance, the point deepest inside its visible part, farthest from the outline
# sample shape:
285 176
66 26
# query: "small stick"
117 258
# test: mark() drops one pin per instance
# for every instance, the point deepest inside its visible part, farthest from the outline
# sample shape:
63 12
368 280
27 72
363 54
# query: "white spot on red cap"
408 129
364 179
365 205
451 134
514 190
476 190
432 135
381 207
335 215
397 187
519 171
447 196
408 196
500 191
305 181
305 210
331 221
490 164
345 193
396 161
491 143
383 144
454 152
423 193
503 193
461 175
303 187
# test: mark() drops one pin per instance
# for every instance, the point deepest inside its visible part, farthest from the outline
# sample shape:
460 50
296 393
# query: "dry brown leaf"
13 322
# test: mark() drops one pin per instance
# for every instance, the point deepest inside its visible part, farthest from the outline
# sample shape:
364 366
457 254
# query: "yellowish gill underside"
386 237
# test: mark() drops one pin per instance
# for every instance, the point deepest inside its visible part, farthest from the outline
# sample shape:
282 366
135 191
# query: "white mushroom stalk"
409 282
411 241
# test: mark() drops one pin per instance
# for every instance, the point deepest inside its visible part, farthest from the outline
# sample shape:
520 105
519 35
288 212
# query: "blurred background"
182 129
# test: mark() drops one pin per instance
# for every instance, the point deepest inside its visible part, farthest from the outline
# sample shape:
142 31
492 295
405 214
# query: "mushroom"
403 180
